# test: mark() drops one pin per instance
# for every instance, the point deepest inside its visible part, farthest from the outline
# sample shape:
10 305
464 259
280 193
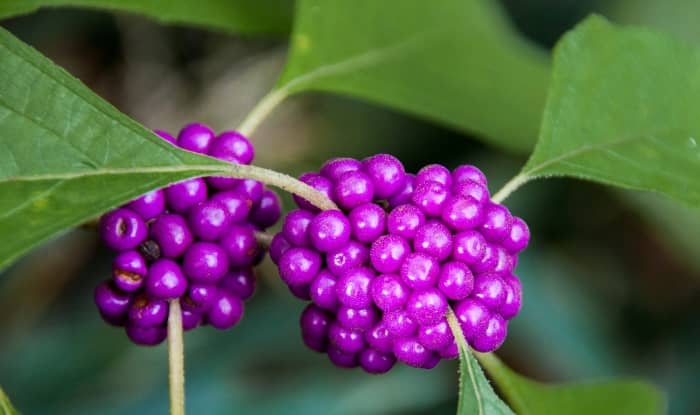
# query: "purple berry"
469 172
147 312
426 306
399 324
185 194
296 227
146 336
200 297
375 362
449 352
299 266
352 189
226 311
172 235
504 262
346 340
235 204
469 188
468 247
240 282
208 220
436 337
318 182
329 230
513 302
353 288
128 271
434 239
205 262
195 137
268 211
149 205
322 290
456 280
112 304
301 291
404 221
336 167
411 352
488 262
165 280
122 229
388 253
430 197
420 270
518 237
251 189
461 213
473 316
379 338
404 195
278 246
342 359
316 344
436 173
497 222
357 318
388 292
232 146
490 290
492 336
165 136
368 222
314 322
190 319
387 174
240 244
352 255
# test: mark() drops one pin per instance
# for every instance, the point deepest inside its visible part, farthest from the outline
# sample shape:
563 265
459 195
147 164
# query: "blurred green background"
611 279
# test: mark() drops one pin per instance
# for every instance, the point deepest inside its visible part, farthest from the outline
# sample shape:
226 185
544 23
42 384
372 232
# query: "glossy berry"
353 288
345 339
436 173
352 189
240 244
389 293
128 271
278 246
147 312
208 220
122 229
329 230
318 182
387 174
513 301
296 227
165 280
399 323
403 196
375 362
468 247
251 189
111 303
456 280
352 255
433 238
357 318
190 319
435 337
430 197
195 137
146 336
235 203
497 222
404 221
299 266
232 147
149 205
420 271
379 338
185 194
388 252
200 297
469 172
225 312
426 306
518 237
342 359
368 222
469 188
314 322
268 211
411 352
172 235
462 212
492 335
322 290
335 168
473 317
205 262
240 282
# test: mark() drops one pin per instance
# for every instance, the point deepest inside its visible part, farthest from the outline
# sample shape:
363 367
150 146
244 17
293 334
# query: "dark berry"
226 311
240 282
342 359
278 246
240 244
268 211
375 362
146 336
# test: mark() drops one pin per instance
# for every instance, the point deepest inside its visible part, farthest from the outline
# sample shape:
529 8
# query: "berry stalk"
176 360
511 186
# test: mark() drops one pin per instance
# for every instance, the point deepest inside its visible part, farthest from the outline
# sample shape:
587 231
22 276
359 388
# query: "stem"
176 360
263 238
284 182
261 110
512 185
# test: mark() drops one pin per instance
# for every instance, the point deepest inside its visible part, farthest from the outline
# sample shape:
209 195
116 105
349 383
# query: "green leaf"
66 155
456 62
611 397
476 397
5 405
623 110
239 16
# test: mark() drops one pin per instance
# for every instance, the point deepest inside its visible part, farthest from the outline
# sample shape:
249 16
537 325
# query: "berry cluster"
382 271
194 240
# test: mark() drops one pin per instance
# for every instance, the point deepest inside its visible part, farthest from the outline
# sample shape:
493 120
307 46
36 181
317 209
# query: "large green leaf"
623 110
66 155
476 397
5 405
240 16
601 398
457 62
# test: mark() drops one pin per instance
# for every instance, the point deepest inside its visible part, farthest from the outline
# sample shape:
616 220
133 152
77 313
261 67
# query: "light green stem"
176 360
512 185
261 110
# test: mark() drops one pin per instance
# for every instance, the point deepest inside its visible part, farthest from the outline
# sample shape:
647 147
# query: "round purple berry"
148 312
468 247
426 306
112 304
513 302
346 340
368 222
146 336
353 288
235 204
148 205
436 173
409 351
329 230
388 292
404 221
205 262
240 244
301 291
240 282
387 174
322 290
318 182
166 136
299 266
352 255
490 290
251 189
172 235
195 137
497 222
296 227
388 253
165 280
399 324
462 212
342 359
488 261
404 195
190 319
469 172
420 270
122 229
357 318
434 239
450 351
334 168
430 197
492 336
436 337
352 189
278 246
469 188
314 322
268 211
518 237
200 297
379 338
226 311
375 362
473 316
185 194
128 271
232 146
456 280
208 220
